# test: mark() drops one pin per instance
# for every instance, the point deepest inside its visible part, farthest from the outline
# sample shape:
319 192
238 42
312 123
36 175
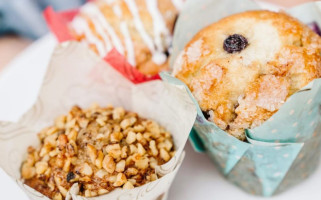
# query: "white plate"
197 178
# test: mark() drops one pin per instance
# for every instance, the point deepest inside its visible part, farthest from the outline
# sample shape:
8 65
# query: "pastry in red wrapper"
141 30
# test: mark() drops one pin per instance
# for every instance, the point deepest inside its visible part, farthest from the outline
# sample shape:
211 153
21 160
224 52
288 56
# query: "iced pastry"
141 30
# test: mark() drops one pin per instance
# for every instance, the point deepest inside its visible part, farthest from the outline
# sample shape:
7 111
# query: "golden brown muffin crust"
243 89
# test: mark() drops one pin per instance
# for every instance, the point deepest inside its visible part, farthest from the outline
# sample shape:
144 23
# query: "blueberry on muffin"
244 67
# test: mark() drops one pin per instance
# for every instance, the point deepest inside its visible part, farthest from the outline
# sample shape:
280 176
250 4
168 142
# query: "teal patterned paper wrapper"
281 152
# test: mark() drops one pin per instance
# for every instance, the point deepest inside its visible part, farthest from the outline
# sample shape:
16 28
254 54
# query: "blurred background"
21 22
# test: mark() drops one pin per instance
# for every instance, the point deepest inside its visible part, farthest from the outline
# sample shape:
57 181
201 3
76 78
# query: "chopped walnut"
100 149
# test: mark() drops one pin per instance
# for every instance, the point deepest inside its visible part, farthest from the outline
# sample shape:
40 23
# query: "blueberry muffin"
244 67
141 30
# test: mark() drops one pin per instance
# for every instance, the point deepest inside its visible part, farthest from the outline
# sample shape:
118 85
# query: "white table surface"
197 179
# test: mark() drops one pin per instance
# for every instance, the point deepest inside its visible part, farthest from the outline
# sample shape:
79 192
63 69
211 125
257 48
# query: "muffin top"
100 149
244 67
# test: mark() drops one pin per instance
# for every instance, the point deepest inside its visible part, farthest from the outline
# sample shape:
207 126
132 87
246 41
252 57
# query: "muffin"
140 30
244 67
98 148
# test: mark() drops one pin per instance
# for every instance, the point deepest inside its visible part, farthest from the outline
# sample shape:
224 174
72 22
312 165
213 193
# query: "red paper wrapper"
58 24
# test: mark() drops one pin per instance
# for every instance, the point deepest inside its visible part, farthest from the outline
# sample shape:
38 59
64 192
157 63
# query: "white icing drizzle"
110 1
178 4
117 11
160 30
111 39
139 24
102 33
129 44
158 57
81 27
158 23
93 11
126 35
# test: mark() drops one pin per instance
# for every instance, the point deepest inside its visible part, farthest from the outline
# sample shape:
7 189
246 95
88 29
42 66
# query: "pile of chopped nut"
100 149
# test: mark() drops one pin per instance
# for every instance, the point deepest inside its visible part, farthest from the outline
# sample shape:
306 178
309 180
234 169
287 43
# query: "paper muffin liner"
58 24
77 76
286 148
